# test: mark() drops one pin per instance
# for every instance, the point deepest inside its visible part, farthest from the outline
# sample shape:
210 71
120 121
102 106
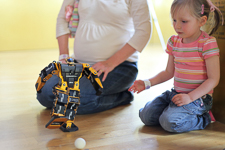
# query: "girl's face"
186 25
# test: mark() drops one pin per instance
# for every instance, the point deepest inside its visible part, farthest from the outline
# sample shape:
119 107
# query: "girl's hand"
138 86
103 67
181 99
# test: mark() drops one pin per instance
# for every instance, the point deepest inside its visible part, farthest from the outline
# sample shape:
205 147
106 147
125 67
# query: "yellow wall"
29 24
162 9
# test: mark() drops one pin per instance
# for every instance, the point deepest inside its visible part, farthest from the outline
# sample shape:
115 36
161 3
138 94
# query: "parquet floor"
23 119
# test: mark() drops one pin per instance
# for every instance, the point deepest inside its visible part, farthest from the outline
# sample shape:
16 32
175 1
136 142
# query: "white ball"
80 143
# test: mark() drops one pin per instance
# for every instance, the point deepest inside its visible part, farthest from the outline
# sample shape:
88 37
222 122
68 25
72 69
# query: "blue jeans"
115 90
162 111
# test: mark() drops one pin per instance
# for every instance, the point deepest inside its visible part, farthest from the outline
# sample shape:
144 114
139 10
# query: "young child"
194 63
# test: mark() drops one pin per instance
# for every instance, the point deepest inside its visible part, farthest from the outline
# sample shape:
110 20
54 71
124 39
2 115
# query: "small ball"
80 143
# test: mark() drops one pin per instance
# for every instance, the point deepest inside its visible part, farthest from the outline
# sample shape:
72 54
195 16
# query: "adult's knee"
46 96
46 99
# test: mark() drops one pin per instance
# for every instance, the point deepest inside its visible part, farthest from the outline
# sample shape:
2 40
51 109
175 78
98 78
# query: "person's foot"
211 116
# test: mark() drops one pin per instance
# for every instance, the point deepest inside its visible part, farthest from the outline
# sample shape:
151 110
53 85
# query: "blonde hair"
195 8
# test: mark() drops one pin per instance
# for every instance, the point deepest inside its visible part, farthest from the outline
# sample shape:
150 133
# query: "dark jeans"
115 90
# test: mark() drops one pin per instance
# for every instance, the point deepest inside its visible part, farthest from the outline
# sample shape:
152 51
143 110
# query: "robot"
66 91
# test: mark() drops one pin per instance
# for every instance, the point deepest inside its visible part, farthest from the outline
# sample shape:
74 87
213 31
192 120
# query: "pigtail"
216 16
216 20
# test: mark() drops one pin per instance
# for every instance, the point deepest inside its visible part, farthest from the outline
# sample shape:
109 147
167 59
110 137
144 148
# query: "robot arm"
46 74
91 74
54 69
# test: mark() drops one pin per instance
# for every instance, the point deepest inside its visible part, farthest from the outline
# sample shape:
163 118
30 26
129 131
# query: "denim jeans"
115 90
162 111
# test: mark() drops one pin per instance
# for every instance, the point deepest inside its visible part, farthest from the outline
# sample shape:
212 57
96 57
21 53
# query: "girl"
194 63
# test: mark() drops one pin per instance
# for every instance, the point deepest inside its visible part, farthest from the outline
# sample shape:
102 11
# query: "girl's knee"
142 116
147 118
166 123
171 124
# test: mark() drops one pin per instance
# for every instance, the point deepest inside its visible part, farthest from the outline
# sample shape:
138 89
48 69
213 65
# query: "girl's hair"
195 7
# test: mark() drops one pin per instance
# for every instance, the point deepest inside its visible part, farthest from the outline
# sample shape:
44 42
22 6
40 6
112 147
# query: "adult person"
109 37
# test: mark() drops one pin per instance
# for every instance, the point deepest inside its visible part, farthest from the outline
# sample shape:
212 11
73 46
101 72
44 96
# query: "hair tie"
202 9
213 7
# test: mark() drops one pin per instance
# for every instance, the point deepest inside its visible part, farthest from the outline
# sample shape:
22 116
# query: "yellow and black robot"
67 91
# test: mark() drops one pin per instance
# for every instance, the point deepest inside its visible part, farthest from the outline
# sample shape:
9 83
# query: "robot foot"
72 128
56 122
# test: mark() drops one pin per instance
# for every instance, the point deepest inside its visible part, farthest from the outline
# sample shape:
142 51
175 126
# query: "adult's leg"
193 116
46 97
150 114
115 90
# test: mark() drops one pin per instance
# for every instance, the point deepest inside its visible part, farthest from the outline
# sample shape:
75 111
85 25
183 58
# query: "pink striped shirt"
189 60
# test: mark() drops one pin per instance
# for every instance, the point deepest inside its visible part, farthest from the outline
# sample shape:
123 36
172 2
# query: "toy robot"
67 91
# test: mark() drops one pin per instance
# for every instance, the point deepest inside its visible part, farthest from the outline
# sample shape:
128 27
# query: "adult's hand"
109 64
103 67
63 61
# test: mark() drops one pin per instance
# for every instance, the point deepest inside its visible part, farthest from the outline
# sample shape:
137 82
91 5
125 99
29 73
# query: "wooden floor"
23 119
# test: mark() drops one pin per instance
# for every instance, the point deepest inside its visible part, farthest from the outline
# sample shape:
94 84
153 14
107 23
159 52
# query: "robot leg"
64 111
73 103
